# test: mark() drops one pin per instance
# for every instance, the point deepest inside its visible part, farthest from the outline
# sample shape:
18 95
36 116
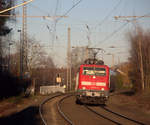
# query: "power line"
56 20
113 33
68 11
107 16
55 24
73 7
56 9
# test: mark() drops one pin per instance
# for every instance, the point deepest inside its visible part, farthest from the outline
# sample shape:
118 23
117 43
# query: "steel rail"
120 115
61 112
46 100
117 114
102 115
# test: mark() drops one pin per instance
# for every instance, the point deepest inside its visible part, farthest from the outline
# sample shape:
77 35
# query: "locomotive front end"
93 84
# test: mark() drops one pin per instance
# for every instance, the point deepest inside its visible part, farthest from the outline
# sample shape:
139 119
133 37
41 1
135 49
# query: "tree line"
135 59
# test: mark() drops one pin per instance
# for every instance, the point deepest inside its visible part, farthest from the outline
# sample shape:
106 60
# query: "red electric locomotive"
92 83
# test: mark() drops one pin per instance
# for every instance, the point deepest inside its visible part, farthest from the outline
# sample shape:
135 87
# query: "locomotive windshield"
94 71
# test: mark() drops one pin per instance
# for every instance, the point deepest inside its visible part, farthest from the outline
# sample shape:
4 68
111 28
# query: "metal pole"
68 61
24 39
21 64
140 53
141 59
10 43
69 44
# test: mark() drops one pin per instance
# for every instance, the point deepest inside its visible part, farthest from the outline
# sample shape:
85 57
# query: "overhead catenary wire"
112 34
116 31
69 10
107 16
56 20
72 7
55 24
56 9
128 21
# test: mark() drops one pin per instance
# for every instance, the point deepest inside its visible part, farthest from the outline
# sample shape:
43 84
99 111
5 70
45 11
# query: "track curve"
71 113
40 107
59 98
61 112
110 116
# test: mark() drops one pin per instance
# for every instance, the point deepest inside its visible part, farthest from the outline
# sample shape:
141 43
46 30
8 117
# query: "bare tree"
36 53
134 73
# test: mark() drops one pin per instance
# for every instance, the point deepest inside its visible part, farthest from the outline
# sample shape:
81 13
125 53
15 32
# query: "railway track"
61 113
111 118
70 113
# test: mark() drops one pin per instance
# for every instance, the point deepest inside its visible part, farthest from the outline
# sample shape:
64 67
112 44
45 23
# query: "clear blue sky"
88 12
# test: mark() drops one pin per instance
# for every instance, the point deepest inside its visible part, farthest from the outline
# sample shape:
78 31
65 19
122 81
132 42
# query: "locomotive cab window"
94 71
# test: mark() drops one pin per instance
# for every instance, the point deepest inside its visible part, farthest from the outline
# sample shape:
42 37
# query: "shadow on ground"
28 116
12 85
128 93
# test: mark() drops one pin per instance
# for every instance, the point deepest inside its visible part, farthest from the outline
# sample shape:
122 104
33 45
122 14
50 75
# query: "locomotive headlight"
102 89
83 88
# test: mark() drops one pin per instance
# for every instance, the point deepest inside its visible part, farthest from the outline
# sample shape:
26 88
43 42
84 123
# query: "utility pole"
141 57
20 56
69 62
139 43
70 58
9 58
24 49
